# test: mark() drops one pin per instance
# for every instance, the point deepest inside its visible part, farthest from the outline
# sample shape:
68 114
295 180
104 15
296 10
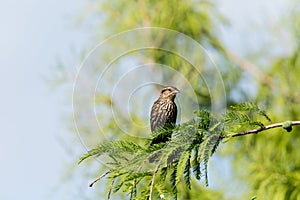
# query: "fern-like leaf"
187 153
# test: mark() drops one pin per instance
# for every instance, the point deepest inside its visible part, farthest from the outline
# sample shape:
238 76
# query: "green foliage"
162 167
244 116
198 19
270 163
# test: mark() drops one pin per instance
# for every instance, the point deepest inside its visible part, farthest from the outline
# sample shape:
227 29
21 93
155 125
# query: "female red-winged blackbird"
164 113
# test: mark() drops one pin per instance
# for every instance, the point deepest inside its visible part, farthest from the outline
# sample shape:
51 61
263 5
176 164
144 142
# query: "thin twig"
262 77
133 189
260 129
258 74
251 68
153 177
110 188
99 178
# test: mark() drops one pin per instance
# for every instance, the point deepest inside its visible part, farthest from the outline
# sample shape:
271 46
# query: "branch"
110 188
153 177
99 178
263 128
251 68
133 189
259 75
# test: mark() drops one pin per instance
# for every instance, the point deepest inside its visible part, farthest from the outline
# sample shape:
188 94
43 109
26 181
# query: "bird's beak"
176 91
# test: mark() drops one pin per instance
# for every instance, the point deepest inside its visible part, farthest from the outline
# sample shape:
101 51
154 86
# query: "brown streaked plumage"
164 112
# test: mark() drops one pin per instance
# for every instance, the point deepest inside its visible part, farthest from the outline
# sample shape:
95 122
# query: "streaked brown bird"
164 113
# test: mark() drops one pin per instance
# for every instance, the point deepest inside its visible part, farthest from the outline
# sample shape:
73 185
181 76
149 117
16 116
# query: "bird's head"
169 92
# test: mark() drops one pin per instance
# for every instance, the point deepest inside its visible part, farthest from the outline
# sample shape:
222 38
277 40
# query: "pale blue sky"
34 34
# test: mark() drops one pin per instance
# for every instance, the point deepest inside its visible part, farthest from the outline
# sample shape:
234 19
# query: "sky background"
34 36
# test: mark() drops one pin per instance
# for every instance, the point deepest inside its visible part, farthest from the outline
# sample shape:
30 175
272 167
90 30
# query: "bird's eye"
166 90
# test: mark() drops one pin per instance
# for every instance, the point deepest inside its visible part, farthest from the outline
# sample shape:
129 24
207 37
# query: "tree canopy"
146 44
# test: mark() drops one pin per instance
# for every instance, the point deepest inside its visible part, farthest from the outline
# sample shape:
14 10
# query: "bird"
163 114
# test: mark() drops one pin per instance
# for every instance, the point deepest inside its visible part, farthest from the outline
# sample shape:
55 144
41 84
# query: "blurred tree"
269 162
197 20
265 169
